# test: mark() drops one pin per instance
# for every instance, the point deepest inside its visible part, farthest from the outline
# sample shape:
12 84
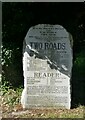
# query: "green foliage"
78 79
4 88
80 60
12 66
10 96
79 65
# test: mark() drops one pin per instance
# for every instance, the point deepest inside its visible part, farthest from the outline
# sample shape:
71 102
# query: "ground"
11 108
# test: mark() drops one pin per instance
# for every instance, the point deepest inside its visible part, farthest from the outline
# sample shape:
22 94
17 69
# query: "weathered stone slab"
47 64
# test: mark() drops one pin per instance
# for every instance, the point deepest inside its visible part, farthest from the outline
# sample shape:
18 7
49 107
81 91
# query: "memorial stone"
47 64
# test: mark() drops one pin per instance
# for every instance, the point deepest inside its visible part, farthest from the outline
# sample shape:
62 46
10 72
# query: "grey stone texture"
47 65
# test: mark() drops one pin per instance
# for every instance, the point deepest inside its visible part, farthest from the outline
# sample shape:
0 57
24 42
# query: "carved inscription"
47 63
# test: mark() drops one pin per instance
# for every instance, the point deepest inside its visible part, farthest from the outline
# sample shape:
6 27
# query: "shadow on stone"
51 61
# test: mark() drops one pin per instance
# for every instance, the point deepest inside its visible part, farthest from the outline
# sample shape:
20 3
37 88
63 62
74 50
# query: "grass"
11 108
